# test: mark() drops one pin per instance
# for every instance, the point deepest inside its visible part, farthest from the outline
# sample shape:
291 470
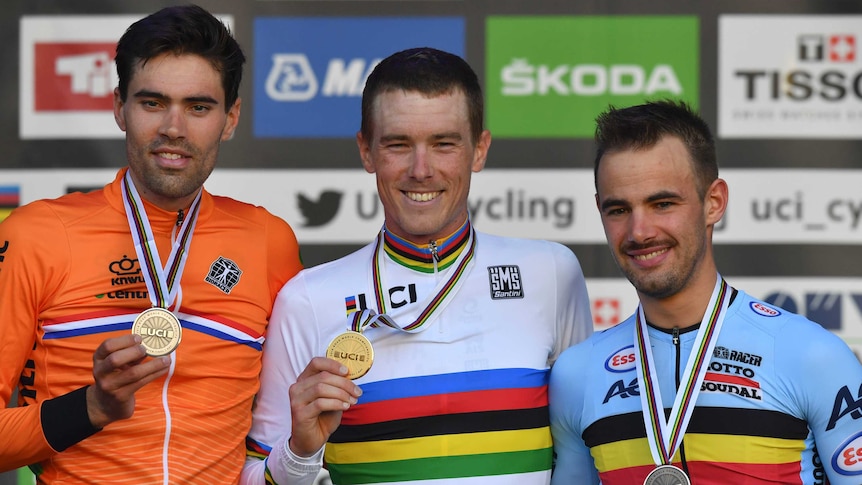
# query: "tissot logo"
789 76
834 48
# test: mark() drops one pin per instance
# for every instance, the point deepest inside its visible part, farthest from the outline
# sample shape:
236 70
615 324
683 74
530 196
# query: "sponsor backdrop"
779 82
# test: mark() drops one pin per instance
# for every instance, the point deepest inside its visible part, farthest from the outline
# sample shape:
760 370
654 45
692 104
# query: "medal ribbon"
160 281
664 437
434 304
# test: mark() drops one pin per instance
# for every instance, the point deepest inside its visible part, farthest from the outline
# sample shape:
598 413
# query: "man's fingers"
112 345
111 377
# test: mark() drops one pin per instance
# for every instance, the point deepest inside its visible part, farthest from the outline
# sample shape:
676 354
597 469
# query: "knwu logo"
291 78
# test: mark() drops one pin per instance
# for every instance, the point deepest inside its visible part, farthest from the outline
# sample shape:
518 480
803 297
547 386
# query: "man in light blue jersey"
704 384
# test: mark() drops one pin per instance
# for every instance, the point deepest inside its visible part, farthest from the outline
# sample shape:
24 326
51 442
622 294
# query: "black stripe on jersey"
510 419
705 420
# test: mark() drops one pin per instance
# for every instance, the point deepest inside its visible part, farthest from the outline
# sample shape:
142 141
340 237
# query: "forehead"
177 75
637 174
412 111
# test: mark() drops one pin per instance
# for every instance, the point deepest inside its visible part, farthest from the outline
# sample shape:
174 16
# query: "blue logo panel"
309 72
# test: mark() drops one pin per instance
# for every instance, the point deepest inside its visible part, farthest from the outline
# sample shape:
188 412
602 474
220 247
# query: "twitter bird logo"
321 211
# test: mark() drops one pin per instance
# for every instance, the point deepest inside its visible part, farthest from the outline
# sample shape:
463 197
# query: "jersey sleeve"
572 460
574 317
33 262
827 379
291 338
282 254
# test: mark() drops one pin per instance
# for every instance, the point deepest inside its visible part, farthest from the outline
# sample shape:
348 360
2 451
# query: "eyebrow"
439 136
161 96
663 195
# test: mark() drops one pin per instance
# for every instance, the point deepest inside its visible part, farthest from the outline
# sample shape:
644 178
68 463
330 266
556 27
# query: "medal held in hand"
667 475
159 329
354 351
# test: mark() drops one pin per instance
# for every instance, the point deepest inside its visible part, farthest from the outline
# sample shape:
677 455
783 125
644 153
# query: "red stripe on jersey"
455 403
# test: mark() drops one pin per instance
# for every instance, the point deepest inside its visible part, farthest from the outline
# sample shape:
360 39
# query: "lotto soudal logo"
731 379
505 282
224 274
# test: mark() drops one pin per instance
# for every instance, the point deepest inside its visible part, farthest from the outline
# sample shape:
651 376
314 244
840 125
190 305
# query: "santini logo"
319 212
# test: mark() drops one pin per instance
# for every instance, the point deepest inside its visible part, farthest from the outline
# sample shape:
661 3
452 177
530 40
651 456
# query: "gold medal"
667 475
159 329
354 351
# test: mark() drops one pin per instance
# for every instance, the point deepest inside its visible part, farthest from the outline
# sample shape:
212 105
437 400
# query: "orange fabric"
68 281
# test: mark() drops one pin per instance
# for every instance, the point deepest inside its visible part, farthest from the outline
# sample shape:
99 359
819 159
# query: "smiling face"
657 226
423 155
175 119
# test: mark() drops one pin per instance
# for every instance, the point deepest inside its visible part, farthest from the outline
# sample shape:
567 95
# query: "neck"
683 309
423 257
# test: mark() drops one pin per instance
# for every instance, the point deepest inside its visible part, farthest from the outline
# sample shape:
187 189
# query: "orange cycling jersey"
70 278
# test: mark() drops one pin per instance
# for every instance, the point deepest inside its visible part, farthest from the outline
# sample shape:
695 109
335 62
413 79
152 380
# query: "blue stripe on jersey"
452 383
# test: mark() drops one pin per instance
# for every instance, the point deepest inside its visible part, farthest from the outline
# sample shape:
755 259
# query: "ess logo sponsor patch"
505 282
224 274
848 459
766 311
622 360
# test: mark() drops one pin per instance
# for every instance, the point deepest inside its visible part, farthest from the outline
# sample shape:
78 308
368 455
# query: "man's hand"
317 399
120 370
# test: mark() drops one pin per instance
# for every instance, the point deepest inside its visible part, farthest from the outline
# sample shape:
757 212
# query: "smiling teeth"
171 156
644 257
422 196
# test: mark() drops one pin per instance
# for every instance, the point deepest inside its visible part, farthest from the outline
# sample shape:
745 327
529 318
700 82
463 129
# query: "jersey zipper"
678 349
432 245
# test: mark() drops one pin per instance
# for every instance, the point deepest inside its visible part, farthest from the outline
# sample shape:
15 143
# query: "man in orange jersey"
154 253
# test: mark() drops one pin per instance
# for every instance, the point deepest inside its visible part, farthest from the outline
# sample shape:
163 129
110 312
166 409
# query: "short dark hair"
180 30
429 71
643 126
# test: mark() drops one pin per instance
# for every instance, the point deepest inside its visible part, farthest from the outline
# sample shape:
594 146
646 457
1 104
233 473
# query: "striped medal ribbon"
161 281
664 437
433 305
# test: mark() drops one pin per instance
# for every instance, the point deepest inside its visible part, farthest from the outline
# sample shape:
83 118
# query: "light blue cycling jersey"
781 402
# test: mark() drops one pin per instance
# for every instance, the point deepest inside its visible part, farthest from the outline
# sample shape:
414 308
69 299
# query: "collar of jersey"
418 256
